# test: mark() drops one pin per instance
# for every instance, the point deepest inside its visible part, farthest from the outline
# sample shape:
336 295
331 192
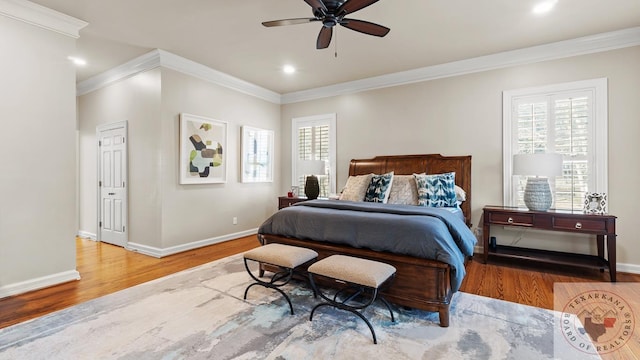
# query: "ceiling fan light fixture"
331 13
330 22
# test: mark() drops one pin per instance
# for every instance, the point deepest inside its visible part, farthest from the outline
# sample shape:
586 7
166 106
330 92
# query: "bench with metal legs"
360 279
285 257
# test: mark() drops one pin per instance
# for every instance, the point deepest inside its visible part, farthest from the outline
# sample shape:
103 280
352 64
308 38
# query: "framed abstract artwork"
203 147
257 155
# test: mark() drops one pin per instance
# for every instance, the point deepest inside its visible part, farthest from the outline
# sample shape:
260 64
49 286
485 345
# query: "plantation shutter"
560 123
313 141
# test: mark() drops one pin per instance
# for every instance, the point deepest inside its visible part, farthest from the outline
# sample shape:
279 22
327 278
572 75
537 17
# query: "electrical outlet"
235 220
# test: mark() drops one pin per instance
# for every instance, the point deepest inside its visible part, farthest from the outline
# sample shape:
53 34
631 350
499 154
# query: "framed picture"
203 150
257 155
595 203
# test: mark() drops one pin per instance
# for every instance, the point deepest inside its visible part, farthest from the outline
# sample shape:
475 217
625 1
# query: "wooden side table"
285 201
603 226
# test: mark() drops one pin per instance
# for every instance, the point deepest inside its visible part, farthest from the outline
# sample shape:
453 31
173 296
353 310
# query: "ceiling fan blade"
317 5
288 22
354 5
365 27
324 37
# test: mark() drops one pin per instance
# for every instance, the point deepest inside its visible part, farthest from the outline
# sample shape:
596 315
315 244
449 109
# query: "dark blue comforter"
429 233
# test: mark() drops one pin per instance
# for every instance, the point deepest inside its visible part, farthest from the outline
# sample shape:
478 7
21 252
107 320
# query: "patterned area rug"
199 314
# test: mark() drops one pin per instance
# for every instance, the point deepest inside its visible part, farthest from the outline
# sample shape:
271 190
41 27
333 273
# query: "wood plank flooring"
527 283
106 269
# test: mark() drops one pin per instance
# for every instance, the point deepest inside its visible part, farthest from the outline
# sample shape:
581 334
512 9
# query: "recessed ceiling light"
544 6
77 61
288 69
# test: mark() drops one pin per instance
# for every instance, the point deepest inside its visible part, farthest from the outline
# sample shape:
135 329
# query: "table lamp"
539 167
311 168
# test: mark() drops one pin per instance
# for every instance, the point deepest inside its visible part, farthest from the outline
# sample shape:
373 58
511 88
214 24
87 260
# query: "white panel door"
112 173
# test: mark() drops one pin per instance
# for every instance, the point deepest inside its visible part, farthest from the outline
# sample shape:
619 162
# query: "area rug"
200 314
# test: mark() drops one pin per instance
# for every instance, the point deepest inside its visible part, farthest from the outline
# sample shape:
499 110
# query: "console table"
603 226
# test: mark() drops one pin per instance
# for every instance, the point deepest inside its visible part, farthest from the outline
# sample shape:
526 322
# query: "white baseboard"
162 252
628 268
38 283
87 235
478 250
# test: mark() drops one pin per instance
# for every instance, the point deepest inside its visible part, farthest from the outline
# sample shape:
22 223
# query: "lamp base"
312 187
537 194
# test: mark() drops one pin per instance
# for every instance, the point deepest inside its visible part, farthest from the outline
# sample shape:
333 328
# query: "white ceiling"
227 35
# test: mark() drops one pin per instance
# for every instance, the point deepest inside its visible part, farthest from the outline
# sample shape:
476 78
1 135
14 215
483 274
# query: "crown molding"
43 17
158 57
146 62
558 50
189 67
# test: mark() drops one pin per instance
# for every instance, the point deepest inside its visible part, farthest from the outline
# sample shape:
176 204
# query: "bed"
420 282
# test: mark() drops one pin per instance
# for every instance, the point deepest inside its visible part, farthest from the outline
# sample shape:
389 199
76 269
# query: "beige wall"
136 100
164 215
196 212
463 115
37 157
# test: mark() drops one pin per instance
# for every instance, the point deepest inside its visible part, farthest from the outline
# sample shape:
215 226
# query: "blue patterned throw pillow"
379 188
437 190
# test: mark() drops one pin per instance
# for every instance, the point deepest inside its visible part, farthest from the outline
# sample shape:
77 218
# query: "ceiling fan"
332 13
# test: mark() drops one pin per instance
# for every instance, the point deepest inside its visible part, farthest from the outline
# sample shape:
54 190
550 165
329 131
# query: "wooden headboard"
429 163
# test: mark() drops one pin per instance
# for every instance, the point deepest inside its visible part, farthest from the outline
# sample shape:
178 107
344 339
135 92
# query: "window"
569 119
257 155
314 138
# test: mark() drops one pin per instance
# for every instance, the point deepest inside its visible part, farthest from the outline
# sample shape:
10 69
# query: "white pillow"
356 187
461 195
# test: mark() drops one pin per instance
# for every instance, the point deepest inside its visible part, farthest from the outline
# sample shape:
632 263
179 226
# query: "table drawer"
587 225
511 219
284 201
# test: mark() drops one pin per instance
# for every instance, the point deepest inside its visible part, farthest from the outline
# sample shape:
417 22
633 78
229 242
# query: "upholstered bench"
284 257
361 278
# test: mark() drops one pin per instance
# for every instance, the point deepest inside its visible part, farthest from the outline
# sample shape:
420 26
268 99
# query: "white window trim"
599 88
313 121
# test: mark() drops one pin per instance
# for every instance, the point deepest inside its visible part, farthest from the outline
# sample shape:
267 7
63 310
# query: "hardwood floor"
106 269
527 283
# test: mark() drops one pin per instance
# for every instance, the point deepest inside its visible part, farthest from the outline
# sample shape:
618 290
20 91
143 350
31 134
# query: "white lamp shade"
545 164
311 167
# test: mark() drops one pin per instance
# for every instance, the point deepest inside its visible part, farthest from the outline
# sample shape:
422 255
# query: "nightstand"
603 226
285 201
